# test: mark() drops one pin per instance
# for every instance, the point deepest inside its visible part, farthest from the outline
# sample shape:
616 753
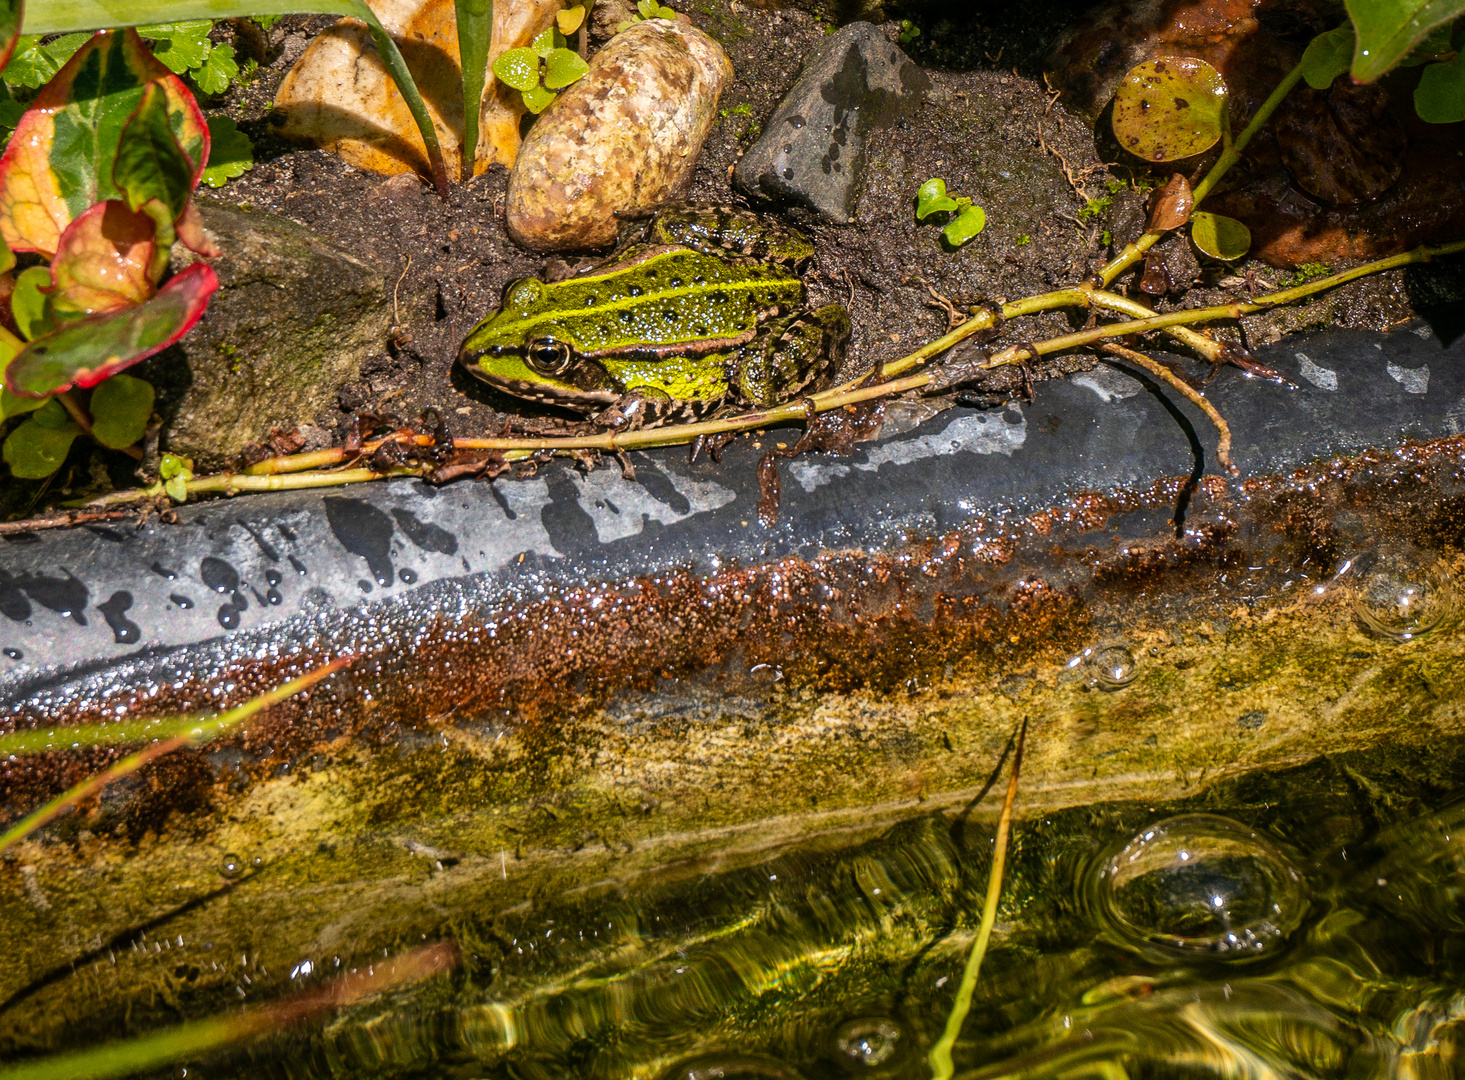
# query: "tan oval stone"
625 138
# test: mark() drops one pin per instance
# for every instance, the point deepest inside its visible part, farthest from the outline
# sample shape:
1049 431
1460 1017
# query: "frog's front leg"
791 353
643 407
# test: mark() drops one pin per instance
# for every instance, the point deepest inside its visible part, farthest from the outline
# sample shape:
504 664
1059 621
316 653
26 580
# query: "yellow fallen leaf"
570 19
339 97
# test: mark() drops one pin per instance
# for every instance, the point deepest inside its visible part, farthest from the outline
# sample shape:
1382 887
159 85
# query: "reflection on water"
1132 942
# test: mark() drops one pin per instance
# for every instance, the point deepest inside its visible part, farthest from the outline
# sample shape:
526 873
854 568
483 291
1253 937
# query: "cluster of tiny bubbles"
733 1067
231 865
1113 666
1200 886
1401 595
867 1044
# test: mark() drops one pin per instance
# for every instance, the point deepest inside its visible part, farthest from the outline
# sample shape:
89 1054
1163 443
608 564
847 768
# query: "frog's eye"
548 357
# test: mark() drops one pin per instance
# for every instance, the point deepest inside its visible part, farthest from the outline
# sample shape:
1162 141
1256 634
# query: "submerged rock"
812 152
622 140
293 319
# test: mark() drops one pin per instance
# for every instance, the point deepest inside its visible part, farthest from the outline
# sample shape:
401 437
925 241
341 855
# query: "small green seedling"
175 472
185 48
1170 108
964 220
909 31
536 82
648 9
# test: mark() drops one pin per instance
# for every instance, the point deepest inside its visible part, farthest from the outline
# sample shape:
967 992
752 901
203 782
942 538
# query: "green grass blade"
940 1056
475 31
193 733
70 16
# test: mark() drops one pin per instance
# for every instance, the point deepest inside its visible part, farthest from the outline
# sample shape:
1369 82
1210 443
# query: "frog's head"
523 350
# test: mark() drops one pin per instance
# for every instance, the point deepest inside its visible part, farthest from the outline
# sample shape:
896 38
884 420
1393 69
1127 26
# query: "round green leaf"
52 415
563 67
1170 108
547 42
965 226
28 302
34 451
1440 96
537 99
518 68
931 198
120 409
230 152
1219 237
1327 56
666 13
647 8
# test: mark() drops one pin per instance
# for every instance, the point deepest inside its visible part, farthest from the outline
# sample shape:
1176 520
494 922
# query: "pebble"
622 140
812 152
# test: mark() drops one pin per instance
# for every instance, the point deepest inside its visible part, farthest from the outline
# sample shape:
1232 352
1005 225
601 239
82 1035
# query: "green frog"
696 308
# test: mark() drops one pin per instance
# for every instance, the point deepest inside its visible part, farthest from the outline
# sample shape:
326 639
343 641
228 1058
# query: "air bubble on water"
231 865
1114 666
1402 596
1200 886
867 1043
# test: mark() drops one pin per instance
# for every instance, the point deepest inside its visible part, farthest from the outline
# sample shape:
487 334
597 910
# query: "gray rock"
812 152
293 319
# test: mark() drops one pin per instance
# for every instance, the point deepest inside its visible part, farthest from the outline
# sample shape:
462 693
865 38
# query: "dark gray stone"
293 319
812 152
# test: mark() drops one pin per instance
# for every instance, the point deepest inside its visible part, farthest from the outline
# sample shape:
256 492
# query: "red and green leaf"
150 164
86 352
10 16
104 262
60 160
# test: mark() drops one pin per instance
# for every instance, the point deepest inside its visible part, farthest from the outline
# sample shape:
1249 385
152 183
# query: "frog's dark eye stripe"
548 357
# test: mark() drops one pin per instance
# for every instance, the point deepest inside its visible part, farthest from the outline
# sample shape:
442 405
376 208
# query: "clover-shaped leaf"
1170 108
215 74
175 472
931 198
562 67
1219 237
518 68
570 19
547 42
537 99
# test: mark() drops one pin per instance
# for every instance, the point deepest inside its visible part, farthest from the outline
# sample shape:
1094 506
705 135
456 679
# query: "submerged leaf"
120 409
1440 96
563 67
1219 237
103 262
1327 56
1388 29
1170 108
60 160
86 352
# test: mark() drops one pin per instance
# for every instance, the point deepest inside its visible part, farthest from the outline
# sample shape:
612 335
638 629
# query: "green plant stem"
71 16
202 731
940 1056
475 34
1133 252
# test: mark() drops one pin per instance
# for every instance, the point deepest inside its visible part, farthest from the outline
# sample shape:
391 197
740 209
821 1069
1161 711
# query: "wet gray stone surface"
812 151
269 574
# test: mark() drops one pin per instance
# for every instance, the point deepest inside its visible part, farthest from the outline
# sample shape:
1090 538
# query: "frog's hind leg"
792 354
728 231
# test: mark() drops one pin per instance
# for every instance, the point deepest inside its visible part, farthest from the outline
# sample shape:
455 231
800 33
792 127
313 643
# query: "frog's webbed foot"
642 408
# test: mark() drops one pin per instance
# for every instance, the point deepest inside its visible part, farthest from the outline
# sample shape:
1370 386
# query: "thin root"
1160 371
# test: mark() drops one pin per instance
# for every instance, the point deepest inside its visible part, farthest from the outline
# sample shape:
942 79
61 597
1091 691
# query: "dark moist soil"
990 128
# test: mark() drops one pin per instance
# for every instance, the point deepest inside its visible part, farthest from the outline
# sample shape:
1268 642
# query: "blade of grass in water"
71 16
151 1052
940 1056
195 732
475 34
